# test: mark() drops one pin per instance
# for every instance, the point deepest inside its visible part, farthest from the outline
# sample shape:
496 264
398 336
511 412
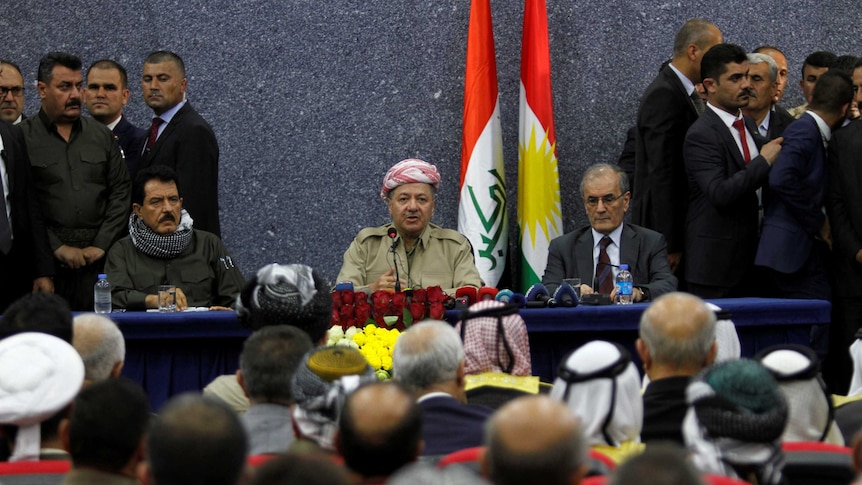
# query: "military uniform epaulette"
377 231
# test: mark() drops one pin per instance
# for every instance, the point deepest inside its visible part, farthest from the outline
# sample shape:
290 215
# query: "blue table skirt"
171 353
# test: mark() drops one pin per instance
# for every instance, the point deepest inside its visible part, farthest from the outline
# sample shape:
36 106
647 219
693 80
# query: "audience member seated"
38 312
101 346
677 340
811 415
594 253
319 387
106 432
379 432
659 464
424 473
163 248
428 360
848 410
497 354
268 361
39 377
279 294
735 421
534 439
296 469
195 441
600 385
426 254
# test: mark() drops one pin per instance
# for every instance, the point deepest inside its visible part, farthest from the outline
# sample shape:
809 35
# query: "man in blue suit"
429 361
795 232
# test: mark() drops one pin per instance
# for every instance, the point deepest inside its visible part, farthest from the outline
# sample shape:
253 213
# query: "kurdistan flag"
539 213
482 212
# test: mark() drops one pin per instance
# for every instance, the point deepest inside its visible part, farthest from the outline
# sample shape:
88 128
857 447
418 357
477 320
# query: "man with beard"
764 79
726 164
79 177
163 248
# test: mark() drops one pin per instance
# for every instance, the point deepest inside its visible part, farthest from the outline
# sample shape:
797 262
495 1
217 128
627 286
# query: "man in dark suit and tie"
668 108
844 207
594 253
725 168
795 232
763 76
26 261
106 94
180 138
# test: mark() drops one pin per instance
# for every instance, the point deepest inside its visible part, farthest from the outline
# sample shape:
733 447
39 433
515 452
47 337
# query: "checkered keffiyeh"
153 244
495 344
410 171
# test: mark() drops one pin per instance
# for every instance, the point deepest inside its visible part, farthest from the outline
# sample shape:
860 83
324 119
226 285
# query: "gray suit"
644 250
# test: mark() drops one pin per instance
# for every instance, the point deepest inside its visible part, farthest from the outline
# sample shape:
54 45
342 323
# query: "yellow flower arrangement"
373 342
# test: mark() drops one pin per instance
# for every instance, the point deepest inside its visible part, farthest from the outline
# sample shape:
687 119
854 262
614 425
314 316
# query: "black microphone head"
393 233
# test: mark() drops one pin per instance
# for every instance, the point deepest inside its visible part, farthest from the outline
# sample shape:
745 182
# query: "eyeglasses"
607 199
15 90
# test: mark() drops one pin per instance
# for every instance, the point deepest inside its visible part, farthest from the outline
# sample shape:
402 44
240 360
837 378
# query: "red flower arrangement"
356 308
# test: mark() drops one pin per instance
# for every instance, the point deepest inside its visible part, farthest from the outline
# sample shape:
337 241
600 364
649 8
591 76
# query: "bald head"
376 440
534 439
677 335
100 344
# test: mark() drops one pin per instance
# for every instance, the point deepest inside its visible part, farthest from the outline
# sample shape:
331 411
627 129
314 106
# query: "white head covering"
807 400
39 375
856 381
606 382
726 338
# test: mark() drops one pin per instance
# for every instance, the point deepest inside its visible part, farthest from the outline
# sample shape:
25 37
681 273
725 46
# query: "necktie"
697 101
740 127
5 227
604 275
154 132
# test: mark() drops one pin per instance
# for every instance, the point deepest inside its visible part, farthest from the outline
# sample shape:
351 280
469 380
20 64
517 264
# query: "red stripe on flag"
536 64
480 80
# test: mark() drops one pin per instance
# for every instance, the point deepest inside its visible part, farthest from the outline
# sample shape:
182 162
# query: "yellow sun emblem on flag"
539 187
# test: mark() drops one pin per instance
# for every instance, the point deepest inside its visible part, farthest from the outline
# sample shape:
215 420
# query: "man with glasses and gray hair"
11 92
595 253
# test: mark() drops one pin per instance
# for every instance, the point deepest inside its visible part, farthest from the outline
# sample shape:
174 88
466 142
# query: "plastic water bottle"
102 295
625 288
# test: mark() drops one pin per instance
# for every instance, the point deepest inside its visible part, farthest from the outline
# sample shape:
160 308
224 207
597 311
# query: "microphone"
519 300
488 293
468 293
393 234
597 298
565 296
505 296
537 296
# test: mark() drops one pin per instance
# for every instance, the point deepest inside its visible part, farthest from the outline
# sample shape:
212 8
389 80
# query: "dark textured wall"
313 100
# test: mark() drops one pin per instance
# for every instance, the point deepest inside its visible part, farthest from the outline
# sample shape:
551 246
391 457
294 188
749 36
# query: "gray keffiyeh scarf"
153 244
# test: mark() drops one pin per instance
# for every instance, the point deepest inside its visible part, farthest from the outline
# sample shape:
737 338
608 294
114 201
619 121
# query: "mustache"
168 217
751 92
73 103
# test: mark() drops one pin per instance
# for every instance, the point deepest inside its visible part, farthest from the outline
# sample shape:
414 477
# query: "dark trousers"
76 285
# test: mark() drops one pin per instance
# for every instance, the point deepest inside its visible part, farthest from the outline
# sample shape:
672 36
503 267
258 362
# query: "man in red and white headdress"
425 254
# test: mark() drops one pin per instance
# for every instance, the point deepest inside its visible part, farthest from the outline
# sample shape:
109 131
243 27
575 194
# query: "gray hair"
428 353
100 344
269 358
759 58
668 350
599 169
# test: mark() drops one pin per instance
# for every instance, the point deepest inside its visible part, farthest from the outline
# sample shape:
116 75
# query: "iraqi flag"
539 211
482 212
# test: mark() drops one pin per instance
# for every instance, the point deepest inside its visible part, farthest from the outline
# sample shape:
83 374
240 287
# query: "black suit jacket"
644 250
132 140
188 145
778 121
31 255
844 206
448 425
722 221
660 193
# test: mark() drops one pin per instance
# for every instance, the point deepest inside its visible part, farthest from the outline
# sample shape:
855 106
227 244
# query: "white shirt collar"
614 235
686 82
825 131
726 117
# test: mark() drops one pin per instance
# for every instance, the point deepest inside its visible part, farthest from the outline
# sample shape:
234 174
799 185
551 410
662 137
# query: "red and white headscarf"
410 171
493 343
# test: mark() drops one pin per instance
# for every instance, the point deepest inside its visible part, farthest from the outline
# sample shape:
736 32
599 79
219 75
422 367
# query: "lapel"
169 129
8 155
672 79
724 132
629 247
584 256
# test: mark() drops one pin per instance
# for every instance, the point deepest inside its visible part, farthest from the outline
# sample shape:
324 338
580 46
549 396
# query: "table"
171 353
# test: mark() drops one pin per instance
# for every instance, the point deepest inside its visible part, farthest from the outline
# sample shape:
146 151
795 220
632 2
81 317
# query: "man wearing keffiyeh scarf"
163 248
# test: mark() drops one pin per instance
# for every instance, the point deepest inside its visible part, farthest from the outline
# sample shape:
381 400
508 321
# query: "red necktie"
603 268
154 132
740 127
